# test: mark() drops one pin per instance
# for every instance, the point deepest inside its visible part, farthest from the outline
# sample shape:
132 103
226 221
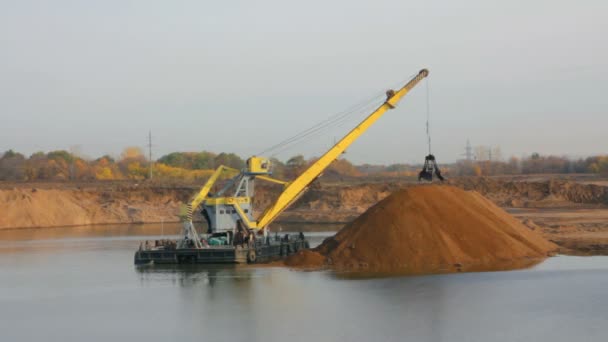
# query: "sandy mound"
306 258
427 229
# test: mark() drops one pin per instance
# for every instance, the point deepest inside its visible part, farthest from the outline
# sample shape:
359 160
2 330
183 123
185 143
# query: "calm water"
80 284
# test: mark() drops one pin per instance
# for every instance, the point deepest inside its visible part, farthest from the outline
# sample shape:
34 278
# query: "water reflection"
190 275
76 232
158 230
504 265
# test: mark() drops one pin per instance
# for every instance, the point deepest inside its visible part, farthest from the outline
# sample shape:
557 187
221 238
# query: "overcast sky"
240 76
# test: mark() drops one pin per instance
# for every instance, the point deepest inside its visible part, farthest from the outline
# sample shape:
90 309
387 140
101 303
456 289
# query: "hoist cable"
336 120
323 124
317 133
428 116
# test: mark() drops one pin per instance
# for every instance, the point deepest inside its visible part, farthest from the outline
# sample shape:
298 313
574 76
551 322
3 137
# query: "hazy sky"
240 76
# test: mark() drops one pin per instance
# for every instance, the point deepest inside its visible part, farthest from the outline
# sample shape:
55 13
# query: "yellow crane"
231 208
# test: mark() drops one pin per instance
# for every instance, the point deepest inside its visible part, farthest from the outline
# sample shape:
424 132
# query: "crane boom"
297 186
229 212
202 194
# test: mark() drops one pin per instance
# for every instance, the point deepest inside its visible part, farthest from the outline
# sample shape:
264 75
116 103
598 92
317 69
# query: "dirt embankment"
539 194
35 205
429 229
58 204
343 202
340 203
31 207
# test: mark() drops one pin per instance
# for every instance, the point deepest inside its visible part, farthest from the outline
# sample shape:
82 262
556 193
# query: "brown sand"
429 229
33 208
306 259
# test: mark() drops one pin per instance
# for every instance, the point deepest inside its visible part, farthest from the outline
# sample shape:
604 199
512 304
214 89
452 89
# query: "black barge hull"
259 253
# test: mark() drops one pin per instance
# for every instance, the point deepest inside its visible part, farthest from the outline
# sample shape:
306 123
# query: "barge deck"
260 251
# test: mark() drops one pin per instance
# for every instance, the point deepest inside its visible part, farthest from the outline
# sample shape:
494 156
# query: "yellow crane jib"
293 190
202 194
231 208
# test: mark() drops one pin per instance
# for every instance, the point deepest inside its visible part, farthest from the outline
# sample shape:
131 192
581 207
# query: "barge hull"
259 253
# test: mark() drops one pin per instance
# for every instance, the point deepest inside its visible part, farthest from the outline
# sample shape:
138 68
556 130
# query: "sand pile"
428 229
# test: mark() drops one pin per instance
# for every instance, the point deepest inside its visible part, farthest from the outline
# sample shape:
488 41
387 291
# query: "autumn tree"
12 166
545 164
278 168
60 165
133 164
106 168
599 165
295 165
33 166
230 160
342 168
466 168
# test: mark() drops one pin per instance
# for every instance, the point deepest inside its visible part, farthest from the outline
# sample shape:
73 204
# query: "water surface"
80 284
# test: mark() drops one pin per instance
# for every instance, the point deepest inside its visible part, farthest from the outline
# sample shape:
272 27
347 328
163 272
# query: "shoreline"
569 212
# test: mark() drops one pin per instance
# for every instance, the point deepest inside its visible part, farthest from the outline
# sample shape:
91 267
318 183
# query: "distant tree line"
65 166
132 164
534 164
189 166
201 160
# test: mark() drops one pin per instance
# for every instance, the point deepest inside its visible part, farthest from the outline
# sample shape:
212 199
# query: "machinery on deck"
234 234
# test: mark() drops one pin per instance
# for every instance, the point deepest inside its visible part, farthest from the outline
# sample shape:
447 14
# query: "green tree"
11 154
175 159
204 161
61 155
189 160
230 160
